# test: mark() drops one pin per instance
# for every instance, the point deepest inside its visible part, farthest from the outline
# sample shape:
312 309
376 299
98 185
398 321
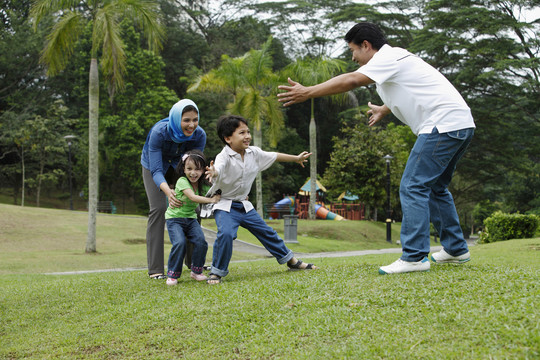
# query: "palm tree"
250 81
312 71
104 17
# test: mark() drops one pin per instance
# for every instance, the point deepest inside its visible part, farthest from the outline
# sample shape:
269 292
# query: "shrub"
501 226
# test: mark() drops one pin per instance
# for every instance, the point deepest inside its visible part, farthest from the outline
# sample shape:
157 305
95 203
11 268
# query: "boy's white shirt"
235 177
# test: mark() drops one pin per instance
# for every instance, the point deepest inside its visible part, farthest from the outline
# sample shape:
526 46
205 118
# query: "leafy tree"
303 26
251 83
45 144
104 19
22 86
357 163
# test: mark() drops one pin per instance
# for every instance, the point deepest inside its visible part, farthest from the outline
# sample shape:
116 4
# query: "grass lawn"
484 309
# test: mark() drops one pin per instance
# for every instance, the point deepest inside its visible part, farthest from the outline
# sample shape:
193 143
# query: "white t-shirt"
235 176
416 93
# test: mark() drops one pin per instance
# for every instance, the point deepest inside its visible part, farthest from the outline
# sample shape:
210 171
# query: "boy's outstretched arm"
300 158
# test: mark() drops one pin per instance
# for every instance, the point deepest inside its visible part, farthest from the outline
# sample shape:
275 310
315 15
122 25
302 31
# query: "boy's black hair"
199 160
227 125
366 31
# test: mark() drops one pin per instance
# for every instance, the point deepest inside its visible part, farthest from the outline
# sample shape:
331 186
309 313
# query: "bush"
501 226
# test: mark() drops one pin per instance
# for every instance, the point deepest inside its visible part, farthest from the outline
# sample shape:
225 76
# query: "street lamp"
69 138
387 158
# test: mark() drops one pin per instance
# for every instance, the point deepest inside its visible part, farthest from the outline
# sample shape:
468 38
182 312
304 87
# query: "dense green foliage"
501 226
487 49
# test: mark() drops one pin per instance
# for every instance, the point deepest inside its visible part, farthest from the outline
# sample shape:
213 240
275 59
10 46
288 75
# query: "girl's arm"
300 158
200 199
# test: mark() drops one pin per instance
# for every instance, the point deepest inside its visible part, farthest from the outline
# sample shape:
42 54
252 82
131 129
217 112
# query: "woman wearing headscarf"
165 145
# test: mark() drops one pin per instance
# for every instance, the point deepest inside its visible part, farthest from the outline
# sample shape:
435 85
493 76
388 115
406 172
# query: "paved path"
242 246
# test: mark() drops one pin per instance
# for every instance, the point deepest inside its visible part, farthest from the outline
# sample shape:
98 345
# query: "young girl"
182 221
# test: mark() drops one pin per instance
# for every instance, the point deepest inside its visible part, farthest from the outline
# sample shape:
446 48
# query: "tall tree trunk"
23 175
312 163
40 181
257 140
93 118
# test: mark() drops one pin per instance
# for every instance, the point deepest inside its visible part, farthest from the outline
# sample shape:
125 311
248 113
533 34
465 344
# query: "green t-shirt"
188 209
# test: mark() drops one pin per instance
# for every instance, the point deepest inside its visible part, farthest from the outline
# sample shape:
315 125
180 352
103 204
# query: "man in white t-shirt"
421 97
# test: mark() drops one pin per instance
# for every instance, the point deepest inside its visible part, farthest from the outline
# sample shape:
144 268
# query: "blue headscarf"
174 126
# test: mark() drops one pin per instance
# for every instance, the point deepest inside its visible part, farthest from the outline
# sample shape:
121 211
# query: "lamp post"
69 138
387 158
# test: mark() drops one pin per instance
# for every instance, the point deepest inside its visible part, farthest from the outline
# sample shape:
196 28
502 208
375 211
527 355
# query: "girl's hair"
227 125
198 158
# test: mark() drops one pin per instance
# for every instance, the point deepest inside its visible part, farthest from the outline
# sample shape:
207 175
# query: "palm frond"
147 15
41 8
209 82
61 41
107 32
274 111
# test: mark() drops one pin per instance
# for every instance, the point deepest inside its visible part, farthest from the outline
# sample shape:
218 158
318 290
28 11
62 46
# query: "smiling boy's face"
240 139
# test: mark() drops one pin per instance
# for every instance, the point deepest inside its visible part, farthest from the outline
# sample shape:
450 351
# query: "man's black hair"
366 31
227 125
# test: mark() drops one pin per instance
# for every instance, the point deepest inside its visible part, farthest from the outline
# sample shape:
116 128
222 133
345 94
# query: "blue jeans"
180 229
228 223
425 197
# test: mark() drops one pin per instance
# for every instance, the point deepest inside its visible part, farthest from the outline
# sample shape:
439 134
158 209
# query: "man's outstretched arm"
297 93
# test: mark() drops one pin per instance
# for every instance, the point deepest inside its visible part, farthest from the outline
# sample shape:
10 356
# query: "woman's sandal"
157 276
213 279
298 264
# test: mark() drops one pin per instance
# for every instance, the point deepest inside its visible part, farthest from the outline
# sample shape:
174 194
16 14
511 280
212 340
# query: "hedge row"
500 226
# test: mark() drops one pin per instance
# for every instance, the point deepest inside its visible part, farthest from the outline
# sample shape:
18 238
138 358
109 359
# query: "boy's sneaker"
401 266
172 281
198 277
442 257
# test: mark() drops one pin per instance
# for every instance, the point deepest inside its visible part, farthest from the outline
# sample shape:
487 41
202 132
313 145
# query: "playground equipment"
323 213
284 206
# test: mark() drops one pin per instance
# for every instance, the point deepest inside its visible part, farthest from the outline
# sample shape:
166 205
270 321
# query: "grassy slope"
38 240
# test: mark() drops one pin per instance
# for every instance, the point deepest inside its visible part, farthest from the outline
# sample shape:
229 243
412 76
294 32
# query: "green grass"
327 235
484 309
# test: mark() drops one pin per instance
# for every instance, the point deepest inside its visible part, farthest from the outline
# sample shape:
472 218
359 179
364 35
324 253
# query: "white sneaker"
442 257
172 281
401 266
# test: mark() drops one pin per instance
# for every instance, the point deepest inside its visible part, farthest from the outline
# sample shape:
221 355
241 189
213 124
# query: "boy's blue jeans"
179 229
227 224
425 197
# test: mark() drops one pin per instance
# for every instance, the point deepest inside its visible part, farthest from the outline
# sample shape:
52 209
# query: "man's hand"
296 93
376 113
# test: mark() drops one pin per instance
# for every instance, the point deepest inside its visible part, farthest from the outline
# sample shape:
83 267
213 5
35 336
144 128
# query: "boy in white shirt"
421 97
233 172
